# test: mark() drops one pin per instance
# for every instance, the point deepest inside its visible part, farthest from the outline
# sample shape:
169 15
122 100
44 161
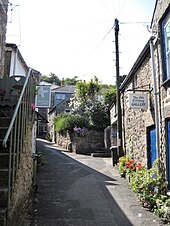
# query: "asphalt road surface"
81 190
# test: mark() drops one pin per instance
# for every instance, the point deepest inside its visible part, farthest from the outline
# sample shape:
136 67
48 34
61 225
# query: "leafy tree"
97 114
51 78
109 96
71 81
89 90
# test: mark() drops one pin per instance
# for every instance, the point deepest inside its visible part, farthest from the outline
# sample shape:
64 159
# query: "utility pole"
118 104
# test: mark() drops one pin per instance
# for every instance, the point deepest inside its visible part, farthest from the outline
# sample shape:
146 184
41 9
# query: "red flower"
127 163
138 166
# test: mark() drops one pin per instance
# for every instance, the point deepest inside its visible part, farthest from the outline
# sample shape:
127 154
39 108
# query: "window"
60 96
166 46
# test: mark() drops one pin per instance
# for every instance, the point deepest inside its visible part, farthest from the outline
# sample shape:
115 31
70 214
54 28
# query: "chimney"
62 82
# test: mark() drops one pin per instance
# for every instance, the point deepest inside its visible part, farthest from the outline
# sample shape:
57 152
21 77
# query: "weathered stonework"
93 141
3 24
162 5
23 186
136 122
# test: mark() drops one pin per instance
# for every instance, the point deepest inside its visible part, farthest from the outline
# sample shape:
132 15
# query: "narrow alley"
80 190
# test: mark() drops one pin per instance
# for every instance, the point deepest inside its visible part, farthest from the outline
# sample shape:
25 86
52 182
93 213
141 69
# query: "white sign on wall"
43 98
138 101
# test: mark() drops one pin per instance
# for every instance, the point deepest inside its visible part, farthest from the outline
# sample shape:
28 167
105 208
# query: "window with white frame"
166 42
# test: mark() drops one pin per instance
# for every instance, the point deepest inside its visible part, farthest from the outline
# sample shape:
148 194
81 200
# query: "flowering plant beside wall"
80 131
149 185
127 165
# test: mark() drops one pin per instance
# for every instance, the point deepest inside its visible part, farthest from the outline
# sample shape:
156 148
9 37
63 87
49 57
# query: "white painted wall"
19 68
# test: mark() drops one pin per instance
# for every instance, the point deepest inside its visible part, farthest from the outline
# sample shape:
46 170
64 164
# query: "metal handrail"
4 143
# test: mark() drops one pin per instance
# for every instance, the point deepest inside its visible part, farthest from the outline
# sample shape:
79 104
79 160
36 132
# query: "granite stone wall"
23 186
93 141
136 121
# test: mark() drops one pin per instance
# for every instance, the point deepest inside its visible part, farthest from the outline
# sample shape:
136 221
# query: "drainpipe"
155 100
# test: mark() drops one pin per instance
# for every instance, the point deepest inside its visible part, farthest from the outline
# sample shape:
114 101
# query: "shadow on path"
71 193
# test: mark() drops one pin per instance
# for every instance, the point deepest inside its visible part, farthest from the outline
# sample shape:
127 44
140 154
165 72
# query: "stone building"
3 23
145 96
60 105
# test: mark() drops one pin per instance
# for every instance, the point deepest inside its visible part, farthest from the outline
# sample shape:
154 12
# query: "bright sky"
73 38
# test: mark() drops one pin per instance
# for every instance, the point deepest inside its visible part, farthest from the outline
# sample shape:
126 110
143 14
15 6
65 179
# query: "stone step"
3 197
4 160
101 154
7 109
3 131
5 121
2 150
3 218
4 177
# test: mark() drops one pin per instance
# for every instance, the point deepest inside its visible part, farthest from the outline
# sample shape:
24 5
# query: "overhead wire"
120 9
19 24
101 40
108 10
114 8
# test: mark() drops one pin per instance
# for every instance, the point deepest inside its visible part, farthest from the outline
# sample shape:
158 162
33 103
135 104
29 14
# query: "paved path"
80 190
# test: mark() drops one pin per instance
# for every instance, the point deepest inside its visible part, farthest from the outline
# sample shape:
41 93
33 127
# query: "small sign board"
43 97
138 101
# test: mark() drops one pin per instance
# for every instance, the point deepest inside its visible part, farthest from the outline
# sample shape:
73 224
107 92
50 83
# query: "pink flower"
33 106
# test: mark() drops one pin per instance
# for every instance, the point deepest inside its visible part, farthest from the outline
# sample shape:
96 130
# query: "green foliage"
41 158
109 96
71 81
58 121
90 106
97 113
51 78
149 185
81 91
66 123
87 90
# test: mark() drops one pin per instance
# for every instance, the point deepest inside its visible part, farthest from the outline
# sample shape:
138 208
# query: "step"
101 154
5 121
3 131
4 177
6 109
3 212
3 197
4 103
2 150
4 160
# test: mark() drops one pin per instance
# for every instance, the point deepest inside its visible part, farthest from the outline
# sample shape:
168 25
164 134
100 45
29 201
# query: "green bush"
58 121
66 123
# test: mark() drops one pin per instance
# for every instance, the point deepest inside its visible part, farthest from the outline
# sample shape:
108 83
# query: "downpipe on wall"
155 100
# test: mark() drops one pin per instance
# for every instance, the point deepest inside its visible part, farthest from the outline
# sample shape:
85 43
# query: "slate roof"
65 89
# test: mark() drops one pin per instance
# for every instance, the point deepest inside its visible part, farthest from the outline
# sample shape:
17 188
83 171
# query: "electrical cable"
120 9
19 24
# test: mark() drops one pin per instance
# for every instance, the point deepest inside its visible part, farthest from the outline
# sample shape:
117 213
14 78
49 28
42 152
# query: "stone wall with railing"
22 188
